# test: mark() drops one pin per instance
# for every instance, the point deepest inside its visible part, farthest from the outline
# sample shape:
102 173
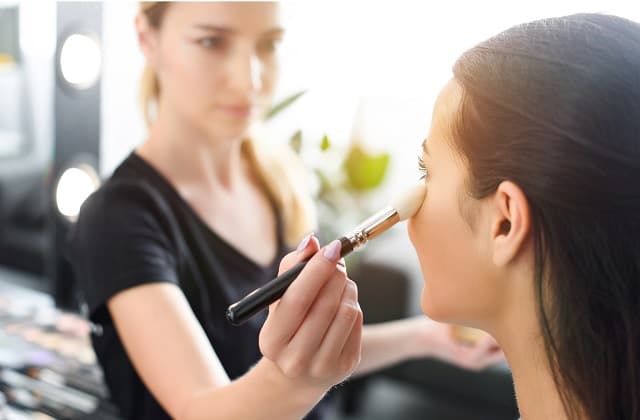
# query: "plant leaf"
325 185
296 141
365 171
325 144
282 105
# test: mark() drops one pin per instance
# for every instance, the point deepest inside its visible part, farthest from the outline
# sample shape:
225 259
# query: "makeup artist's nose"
245 74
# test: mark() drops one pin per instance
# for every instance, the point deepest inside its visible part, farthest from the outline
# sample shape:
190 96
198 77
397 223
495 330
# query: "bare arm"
392 342
174 358
389 343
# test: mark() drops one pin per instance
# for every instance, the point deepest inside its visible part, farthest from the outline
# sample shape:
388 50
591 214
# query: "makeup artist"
199 215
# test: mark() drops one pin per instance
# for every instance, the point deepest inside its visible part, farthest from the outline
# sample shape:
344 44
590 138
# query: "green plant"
342 189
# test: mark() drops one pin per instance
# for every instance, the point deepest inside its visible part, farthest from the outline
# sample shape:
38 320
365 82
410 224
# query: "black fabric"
137 229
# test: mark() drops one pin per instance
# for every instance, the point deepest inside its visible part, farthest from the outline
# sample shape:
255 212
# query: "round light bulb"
74 186
80 60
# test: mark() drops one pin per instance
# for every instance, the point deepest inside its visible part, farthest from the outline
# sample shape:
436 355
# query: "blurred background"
364 75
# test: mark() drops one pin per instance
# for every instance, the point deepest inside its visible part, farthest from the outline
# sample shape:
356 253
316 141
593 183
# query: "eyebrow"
224 29
212 28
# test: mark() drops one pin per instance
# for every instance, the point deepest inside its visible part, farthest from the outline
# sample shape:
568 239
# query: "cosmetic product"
401 208
467 335
64 396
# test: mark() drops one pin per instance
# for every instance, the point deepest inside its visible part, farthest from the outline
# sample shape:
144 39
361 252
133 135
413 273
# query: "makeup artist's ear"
147 39
510 224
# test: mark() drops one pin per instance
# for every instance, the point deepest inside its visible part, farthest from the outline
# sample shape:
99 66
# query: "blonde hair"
279 169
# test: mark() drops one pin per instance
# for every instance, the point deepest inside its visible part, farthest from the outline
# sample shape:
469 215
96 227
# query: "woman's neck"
520 337
189 158
536 391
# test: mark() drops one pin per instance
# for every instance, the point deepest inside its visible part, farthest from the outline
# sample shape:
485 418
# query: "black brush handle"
256 301
241 311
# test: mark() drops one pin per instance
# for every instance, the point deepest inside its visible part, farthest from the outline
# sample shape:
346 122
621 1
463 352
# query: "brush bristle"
409 201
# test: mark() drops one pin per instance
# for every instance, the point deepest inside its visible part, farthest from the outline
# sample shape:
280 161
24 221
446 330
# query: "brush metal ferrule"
373 226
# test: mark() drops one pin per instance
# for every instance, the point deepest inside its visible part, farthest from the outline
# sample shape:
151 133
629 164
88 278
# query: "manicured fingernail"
332 251
303 244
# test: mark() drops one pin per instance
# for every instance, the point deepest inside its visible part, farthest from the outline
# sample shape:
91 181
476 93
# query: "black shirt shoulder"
124 237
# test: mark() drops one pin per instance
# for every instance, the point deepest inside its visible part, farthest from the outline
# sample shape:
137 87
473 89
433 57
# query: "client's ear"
510 224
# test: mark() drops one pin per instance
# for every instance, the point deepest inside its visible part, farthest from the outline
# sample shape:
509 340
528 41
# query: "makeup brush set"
47 367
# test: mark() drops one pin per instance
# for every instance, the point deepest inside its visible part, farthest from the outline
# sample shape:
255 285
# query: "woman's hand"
313 333
438 340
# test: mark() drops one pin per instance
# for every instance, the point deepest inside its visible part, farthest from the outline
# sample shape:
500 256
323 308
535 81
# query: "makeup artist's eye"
424 172
269 46
211 42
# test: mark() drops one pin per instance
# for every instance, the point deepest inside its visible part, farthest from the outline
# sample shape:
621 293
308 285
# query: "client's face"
455 262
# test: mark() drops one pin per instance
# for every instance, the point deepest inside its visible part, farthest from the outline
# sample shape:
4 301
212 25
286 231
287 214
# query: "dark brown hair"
554 106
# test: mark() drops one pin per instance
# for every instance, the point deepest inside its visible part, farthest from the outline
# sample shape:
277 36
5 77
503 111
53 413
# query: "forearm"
262 393
391 342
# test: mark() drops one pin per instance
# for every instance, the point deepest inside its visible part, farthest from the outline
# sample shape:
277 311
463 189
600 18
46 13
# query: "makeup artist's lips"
237 111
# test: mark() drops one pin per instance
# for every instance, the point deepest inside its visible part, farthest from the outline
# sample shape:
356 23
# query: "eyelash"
422 169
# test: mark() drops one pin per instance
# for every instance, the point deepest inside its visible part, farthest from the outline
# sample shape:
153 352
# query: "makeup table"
47 367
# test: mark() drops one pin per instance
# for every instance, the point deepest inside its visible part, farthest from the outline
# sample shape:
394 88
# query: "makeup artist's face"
216 63
455 264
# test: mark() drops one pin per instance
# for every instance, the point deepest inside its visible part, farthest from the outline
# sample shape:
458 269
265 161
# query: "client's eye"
424 172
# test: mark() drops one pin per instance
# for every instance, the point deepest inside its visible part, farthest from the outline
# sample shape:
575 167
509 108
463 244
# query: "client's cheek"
410 231
417 231
416 227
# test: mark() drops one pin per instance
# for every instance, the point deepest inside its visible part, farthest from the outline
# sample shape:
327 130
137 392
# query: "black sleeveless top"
136 229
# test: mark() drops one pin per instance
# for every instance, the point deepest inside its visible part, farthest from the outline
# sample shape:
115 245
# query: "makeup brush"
401 208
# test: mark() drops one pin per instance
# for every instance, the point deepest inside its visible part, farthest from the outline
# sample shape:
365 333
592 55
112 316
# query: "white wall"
122 126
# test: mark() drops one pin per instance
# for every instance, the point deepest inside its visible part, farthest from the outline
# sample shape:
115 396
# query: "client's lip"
237 110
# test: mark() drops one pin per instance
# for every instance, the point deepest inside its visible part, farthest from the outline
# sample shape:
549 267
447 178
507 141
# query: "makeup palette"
48 369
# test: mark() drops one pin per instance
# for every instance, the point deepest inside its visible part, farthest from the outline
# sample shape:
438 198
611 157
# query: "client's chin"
444 308
432 308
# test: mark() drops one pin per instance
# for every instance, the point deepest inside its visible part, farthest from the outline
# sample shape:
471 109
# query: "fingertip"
304 242
332 251
314 243
307 247
309 250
